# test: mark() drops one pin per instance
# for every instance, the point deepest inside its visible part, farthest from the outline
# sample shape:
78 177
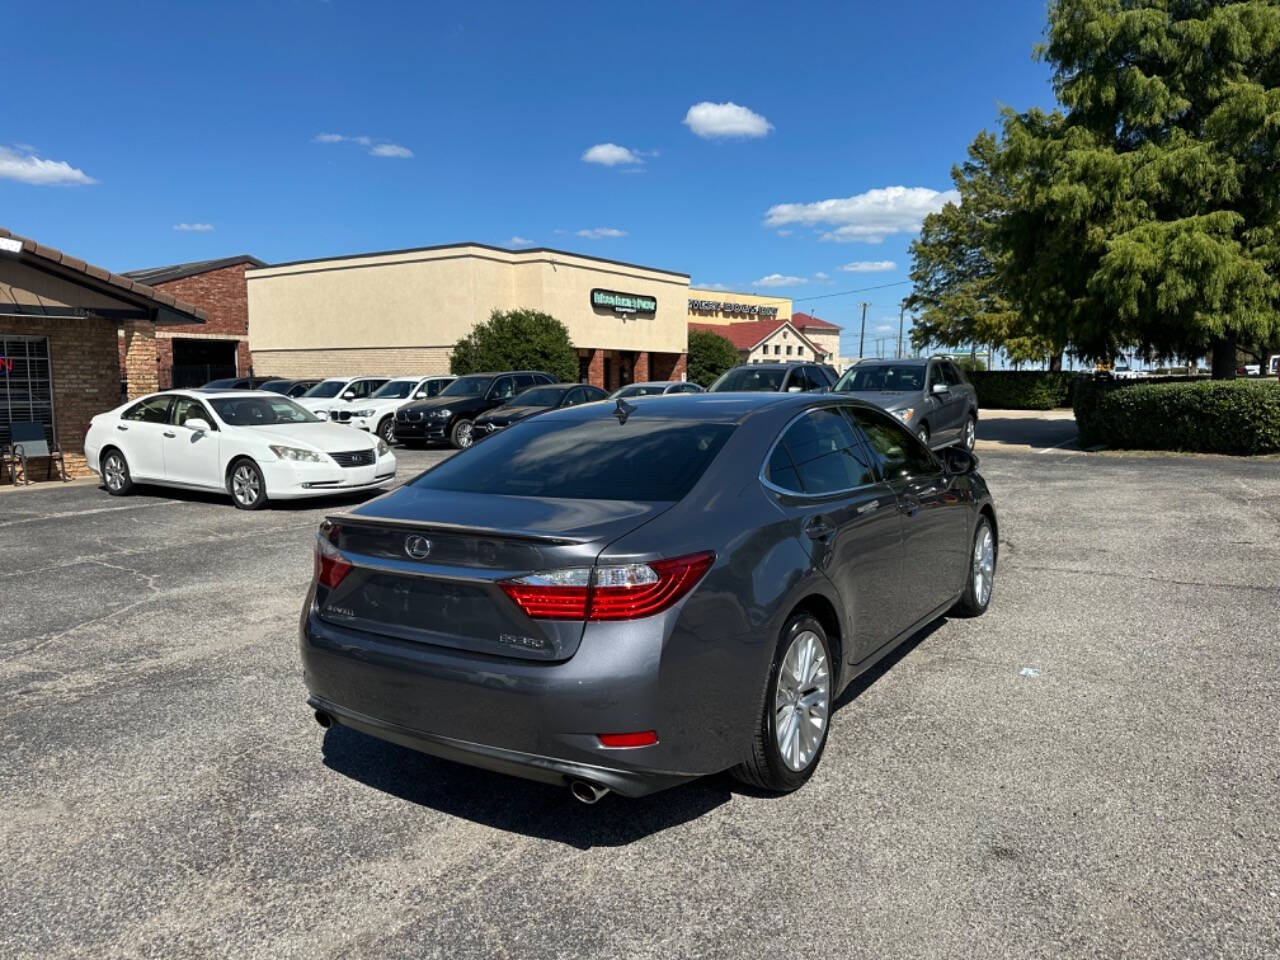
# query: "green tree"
960 289
1145 213
709 356
517 340
1150 206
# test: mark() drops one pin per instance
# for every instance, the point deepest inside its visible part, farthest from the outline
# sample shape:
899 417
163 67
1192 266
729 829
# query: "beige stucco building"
402 311
725 307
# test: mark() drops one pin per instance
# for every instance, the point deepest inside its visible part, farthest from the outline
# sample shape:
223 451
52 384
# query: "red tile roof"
803 321
744 336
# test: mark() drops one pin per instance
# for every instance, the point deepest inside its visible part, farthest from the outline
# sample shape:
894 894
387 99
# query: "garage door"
196 362
26 385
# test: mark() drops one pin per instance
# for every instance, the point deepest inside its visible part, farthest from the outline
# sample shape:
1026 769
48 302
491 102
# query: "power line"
847 293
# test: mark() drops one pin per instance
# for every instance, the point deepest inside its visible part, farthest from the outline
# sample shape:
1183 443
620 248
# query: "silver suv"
928 394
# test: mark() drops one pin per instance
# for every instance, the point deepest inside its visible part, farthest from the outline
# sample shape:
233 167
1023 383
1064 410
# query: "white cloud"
779 280
713 120
869 266
375 148
193 227
709 286
822 277
883 328
598 233
519 242
785 233
23 165
612 155
391 150
866 217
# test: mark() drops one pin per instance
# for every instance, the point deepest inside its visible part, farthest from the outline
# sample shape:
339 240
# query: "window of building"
799 351
26 385
777 348
788 349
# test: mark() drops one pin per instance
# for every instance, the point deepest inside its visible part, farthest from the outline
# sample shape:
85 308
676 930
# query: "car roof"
908 361
778 364
500 373
706 407
653 383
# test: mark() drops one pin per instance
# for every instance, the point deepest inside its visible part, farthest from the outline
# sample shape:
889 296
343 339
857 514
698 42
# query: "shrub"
1023 389
1200 416
709 356
517 340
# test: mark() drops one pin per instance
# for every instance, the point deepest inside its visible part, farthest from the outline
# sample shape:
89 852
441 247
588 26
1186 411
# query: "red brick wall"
86 377
224 294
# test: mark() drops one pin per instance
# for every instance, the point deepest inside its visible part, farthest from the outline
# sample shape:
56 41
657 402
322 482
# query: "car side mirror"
959 461
420 395
349 395
794 388
940 388
197 425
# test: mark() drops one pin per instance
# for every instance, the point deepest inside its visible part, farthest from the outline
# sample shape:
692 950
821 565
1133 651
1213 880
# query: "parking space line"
85 513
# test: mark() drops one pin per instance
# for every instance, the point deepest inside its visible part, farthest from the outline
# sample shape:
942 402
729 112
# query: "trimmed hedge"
1199 416
1023 389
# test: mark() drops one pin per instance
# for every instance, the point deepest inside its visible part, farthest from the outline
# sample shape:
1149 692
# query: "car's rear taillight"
612 592
331 566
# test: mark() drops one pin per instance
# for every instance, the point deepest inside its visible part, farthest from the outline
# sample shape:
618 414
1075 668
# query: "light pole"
862 337
902 312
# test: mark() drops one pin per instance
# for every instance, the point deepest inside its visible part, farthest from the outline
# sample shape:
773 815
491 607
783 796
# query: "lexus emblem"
417 546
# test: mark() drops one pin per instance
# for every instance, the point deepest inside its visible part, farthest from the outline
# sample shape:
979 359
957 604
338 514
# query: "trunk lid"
427 566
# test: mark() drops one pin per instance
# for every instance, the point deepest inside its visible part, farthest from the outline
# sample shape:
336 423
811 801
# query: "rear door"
949 417
823 477
189 457
141 435
935 519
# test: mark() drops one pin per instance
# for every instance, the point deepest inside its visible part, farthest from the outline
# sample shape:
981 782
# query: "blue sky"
296 129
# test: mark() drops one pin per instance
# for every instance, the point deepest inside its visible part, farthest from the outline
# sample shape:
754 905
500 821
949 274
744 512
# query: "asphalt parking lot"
1089 770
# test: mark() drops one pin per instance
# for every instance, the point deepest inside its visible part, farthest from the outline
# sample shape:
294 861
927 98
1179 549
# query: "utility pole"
902 312
862 337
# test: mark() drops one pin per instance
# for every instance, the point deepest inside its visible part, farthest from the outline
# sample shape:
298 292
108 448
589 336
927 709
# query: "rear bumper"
536 719
529 766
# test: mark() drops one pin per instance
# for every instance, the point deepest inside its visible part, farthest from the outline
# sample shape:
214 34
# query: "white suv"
338 392
378 413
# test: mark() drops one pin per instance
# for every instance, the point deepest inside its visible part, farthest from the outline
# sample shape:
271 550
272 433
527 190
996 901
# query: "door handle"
168 434
819 528
121 426
910 506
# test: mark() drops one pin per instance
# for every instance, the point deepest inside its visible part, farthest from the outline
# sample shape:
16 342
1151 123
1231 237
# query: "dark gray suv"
795 377
623 597
928 394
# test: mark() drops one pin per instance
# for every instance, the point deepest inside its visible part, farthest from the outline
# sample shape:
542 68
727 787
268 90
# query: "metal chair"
29 443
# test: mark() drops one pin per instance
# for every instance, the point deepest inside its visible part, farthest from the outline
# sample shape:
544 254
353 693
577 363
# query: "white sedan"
251 445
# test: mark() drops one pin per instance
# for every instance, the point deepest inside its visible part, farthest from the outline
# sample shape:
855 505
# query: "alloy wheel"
388 431
245 485
970 434
113 470
984 565
463 435
802 701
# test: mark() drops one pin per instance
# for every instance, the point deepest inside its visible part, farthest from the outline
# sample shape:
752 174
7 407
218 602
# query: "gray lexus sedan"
627 597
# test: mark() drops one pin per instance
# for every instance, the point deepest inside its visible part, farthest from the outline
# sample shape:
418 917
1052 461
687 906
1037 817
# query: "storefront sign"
732 309
623 302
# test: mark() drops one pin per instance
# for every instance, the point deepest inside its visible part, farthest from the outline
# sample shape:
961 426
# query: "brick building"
188 355
64 326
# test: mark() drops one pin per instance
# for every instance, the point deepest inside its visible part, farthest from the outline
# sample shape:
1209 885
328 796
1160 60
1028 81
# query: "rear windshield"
326 388
745 378
654 460
638 390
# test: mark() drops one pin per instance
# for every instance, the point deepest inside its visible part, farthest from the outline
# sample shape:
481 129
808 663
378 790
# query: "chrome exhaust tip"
324 719
584 791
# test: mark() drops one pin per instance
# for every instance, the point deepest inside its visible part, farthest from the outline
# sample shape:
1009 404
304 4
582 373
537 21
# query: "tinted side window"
184 409
828 375
896 448
154 410
524 381
574 397
781 472
826 453
955 376
504 388
593 394
543 378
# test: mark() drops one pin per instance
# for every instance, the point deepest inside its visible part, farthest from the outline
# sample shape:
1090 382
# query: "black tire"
247 485
922 434
974 601
387 430
114 470
460 436
969 435
766 768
